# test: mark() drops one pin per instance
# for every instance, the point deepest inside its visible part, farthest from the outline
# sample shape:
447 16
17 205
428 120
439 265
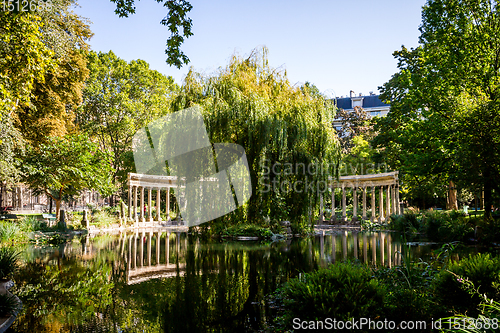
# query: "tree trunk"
488 200
452 196
50 205
58 208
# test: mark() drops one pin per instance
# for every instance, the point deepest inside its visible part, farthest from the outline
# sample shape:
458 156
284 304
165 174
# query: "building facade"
372 104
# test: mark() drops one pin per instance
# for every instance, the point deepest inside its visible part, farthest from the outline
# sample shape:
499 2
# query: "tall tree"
41 75
56 95
445 100
175 20
66 166
120 98
286 131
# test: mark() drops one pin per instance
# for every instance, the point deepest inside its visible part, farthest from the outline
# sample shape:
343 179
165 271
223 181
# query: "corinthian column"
381 204
344 215
374 209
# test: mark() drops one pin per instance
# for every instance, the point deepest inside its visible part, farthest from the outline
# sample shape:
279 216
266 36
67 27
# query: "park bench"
49 218
8 217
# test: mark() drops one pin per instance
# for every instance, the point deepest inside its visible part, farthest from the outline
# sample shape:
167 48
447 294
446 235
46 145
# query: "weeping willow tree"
286 131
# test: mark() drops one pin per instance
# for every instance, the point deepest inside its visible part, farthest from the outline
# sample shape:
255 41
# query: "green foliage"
10 142
175 20
66 166
487 320
120 98
21 62
255 106
102 218
355 125
482 270
8 262
408 223
341 291
437 225
31 223
409 296
9 231
8 305
445 101
248 230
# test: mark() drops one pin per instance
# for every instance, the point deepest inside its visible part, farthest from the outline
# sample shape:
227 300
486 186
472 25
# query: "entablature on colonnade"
155 181
379 179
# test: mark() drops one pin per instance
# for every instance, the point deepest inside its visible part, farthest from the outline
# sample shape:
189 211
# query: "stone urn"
5 285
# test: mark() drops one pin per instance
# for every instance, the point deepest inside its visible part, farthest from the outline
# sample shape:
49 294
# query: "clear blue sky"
337 45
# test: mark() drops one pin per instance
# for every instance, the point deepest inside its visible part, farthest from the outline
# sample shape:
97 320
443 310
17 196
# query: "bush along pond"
9 303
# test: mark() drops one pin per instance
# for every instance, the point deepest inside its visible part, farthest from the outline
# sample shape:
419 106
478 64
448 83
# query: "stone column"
393 199
374 209
141 208
129 264
333 204
167 248
134 210
354 203
158 236
135 251
168 205
150 206
381 204
344 215
150 238
364 202
388 201
129 211
158 202
398 207
141 256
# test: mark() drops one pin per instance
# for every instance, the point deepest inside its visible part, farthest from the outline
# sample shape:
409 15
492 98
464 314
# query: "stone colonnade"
139 186
373 183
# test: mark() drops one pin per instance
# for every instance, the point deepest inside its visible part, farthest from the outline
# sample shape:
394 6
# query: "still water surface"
175 282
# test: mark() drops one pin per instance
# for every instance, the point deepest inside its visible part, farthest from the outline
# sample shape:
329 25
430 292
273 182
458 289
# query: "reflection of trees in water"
223 287
82 287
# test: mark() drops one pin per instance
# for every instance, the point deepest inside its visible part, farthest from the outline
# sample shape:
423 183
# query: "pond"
175 282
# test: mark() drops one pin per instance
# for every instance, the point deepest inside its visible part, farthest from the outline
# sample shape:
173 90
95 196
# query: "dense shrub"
482 270
409 296
437 225
247 230
8 305
102 218
408 223
8 262
31 223
9 231
341 291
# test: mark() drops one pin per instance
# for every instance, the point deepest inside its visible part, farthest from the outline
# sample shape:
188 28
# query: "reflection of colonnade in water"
370 248
148 255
